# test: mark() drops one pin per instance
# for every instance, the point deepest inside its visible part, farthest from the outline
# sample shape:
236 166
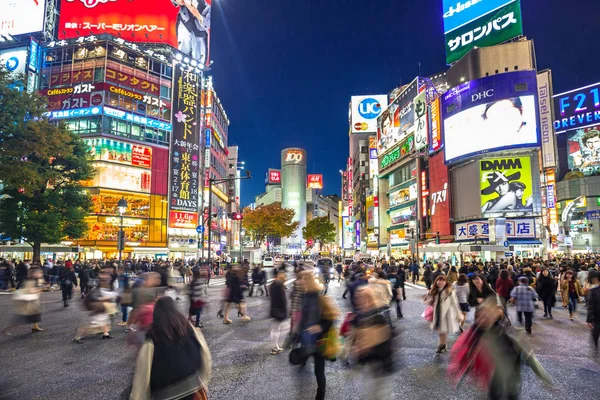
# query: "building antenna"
419 68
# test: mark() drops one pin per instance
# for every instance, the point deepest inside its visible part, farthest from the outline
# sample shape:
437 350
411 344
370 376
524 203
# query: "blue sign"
34 52
373 154
207 135
578 108
460 12
369 108
592 214
77 112
200 229
149 122
506 244
219 252
12 64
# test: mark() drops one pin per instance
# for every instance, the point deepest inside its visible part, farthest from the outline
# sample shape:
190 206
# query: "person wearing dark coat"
279 311
67 281
236 284
84 278
21 274
546 289
428 276
593 307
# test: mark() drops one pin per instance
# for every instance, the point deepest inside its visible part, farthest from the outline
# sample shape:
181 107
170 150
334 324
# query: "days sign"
544 88
364 111
506 185
515 229
492 113
421 131
185 150
491 29
436 126
578 108
273 176
183 25
315 181
460 12
18 17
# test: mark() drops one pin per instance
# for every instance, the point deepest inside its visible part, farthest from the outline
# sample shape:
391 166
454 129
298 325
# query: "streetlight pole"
122 207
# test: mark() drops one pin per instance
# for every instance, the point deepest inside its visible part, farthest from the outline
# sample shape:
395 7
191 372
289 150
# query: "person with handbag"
447 315
279 312
174 362
27 302
318 315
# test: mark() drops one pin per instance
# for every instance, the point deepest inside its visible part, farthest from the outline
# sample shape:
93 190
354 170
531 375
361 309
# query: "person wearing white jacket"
447 315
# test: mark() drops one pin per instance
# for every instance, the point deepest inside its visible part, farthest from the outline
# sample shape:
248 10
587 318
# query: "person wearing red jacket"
504 285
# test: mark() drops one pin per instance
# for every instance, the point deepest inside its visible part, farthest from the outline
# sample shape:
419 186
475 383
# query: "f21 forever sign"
489 29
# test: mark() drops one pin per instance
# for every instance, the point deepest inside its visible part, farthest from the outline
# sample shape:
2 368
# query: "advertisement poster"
364 111
577 108
583 149
439 192
18 17
403 215
315 181
397 121
495 27
183 24
185 149
120 152
420 118
403 195
436 126
458 13
492 113
506 185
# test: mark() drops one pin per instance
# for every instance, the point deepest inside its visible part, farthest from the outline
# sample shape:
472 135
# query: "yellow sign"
506 185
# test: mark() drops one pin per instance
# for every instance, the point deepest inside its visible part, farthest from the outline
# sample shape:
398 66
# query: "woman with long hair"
174 362
479 290
237 285
447 315
571 292
452 275
546 289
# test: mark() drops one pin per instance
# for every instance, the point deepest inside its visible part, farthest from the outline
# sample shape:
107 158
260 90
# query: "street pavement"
48 365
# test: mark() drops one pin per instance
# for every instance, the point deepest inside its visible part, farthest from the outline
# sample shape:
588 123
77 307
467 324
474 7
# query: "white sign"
515 229
545 104
364 111
420 125
21 16
14 60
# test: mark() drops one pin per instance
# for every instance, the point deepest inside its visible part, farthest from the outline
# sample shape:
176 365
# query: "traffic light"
437 238
237 216
309 242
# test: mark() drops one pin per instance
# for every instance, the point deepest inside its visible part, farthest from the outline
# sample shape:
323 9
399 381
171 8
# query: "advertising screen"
583 149
120 152
492 113
397 121
315 181
18 17
403 215
439 195
183 25
185 149
403 195
577 108
506 185
364 112
495 27
460 12
121 177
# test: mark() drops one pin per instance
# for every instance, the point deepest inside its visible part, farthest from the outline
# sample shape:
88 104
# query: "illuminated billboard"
184 163
577 108
439 193
397 121
14 60
315 181
184 25
583 149
506 185
420 121
460 12
492 113
364 111
495 27
120 152
18 17
273 176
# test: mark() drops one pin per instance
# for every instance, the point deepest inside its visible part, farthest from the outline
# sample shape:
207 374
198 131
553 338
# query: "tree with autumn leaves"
42 165
320 230
269 220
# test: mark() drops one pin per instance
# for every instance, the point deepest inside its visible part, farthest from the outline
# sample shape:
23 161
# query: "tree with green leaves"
269 220
42 165
319 229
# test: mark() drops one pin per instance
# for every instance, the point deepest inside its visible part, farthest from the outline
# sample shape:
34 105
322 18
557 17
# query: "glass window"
136 131
98 74
165 92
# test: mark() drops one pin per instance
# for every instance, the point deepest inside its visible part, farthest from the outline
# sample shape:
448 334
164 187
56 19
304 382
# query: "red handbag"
346 325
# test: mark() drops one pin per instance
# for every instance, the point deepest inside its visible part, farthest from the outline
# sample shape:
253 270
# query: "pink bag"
428 314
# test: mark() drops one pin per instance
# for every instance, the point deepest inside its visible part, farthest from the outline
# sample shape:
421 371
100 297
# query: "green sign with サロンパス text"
493 28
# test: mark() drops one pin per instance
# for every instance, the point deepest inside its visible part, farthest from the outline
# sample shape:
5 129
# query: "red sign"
315 181
439 190
141 156
181 219
274 176
154 21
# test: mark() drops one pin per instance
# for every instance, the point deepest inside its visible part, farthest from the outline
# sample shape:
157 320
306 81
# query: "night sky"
285 70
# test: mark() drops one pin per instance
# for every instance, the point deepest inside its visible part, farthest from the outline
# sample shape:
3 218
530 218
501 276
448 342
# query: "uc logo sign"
369 108
12 64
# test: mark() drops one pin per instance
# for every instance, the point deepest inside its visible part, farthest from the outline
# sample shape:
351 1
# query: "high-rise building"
293 193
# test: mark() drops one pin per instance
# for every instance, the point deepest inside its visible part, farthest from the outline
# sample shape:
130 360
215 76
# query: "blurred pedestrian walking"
27 303
447 315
